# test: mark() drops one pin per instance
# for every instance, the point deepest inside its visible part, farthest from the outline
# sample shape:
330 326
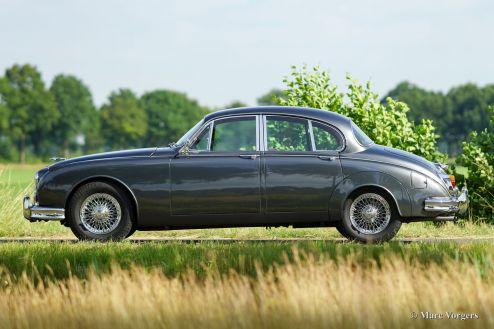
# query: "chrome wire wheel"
370 213
100 213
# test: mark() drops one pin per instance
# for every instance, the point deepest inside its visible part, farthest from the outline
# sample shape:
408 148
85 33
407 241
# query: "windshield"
189 134
361 137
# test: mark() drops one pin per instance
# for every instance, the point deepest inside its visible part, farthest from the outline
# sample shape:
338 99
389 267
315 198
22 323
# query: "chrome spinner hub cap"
100 213
370 213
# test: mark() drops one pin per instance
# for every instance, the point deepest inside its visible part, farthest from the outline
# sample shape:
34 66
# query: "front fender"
369 179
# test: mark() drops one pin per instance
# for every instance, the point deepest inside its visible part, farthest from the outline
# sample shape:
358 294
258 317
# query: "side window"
287 134
326 138
202 142
234 134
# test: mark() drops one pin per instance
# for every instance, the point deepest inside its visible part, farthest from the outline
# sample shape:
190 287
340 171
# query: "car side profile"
256 166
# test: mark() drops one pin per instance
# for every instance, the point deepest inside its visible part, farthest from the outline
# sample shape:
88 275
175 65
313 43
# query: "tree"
170 114
271 97
235 104
469 108
32 108
387 124
75 104
123 120
455 113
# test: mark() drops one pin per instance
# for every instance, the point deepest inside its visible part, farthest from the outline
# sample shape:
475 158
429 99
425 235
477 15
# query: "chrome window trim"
210 137
261 131
211 123
336 130
286 116
311 134
314 149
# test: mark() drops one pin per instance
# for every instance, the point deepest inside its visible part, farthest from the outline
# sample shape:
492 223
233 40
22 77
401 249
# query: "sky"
223 50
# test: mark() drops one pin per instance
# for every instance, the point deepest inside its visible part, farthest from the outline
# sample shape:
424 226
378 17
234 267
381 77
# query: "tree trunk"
22 150
66 148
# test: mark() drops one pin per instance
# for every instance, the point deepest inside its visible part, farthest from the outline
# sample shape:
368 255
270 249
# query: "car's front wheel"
100 211
369 216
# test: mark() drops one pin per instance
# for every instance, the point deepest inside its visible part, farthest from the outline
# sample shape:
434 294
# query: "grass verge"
55 261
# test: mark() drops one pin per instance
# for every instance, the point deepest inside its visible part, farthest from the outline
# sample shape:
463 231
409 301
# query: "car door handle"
326 157
249 156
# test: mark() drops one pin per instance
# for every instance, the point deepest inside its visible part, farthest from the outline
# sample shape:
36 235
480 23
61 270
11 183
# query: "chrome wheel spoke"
370 213
100 213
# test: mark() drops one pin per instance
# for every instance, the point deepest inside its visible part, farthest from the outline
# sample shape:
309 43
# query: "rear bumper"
448 207
33 212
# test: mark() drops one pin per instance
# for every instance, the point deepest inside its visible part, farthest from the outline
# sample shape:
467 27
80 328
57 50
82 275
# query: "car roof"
317 114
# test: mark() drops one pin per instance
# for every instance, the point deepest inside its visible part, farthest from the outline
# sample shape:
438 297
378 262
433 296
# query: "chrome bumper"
448 205
34 212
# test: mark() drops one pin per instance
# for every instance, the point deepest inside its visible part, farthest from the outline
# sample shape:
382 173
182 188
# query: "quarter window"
326 138
202 142
287 134
234 134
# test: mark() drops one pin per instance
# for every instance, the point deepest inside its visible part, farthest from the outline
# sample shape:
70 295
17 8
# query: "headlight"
39 175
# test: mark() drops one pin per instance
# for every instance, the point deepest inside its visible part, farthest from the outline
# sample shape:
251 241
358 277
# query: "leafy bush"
478 157
387 124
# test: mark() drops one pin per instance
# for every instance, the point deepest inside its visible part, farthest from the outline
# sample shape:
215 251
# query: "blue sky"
218 51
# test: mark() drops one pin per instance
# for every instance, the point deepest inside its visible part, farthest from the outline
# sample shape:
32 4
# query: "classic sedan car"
258 166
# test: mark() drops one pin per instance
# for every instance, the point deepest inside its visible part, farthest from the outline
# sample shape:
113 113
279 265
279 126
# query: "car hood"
142 152
398 157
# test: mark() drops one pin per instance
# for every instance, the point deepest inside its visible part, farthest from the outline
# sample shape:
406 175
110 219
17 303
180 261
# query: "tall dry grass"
308 293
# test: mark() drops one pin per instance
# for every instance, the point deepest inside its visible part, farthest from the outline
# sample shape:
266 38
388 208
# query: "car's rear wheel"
100 211
369 216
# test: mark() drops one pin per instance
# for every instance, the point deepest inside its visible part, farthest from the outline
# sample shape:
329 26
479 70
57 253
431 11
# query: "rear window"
361 137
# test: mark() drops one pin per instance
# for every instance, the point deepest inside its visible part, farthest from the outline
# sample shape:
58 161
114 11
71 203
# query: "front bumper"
33 212
448 207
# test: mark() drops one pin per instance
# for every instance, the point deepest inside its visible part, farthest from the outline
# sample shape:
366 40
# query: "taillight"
453 180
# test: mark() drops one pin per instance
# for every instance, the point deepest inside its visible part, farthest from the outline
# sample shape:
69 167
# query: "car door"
220 174
300 165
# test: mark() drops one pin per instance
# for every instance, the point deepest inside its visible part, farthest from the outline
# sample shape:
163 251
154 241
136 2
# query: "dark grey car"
259 166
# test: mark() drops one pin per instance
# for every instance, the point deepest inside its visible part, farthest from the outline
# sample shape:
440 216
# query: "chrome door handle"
326 157
249 156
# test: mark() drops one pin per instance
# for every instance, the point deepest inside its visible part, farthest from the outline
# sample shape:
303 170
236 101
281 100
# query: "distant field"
16 180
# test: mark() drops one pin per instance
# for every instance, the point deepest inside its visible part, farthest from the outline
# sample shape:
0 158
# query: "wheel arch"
377 181
110 180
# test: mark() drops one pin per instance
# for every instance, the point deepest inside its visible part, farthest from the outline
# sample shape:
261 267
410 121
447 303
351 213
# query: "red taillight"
453 180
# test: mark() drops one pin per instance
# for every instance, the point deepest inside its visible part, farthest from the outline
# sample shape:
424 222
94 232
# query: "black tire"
82 230
352 232
132 231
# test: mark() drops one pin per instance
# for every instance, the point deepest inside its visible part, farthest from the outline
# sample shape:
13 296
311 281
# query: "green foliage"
478 157
32 108
387 124
170 114
123 120
271 97
76 108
